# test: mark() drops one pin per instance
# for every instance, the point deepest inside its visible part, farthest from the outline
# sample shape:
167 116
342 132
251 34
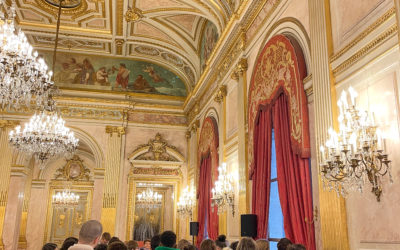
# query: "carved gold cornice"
157 171
366 49
366 32
114 129
240 68
221 94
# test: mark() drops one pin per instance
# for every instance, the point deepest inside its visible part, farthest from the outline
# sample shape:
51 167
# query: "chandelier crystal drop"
354 156
186 203
23 75
45 136
66 198
148 199
223 195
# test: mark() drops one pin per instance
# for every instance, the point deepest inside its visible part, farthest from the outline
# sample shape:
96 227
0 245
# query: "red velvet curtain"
294 180
204 207
262 170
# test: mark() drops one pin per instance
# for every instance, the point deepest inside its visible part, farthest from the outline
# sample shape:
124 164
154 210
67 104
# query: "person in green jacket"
168 241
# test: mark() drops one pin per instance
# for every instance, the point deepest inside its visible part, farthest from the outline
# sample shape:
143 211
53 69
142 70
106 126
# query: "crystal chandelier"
148 199
22 74
223 195
45 136
355 154
66 198
186 203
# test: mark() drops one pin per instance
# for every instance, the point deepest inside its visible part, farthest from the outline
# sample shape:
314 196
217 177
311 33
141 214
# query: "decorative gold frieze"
158 171
221 94
114 129
73 170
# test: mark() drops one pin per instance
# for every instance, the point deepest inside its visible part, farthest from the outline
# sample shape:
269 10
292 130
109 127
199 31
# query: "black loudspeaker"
194 228
248 225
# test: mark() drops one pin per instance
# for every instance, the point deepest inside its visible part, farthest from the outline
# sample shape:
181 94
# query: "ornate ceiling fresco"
162 40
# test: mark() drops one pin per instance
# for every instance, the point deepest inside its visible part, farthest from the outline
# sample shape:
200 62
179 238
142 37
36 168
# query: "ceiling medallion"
133 15
68 4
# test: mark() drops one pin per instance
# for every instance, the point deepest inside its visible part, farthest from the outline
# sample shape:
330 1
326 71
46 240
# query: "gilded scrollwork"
73 170
158 171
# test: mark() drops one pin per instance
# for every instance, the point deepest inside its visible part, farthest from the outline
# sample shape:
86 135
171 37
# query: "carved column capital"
240 68
114 129
195 126
188 134
8 124
220 94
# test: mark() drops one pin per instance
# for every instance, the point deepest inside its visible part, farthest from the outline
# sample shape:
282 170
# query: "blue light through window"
275 217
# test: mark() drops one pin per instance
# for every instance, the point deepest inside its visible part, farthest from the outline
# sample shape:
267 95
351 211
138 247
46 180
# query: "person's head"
182 244
155 241
190 247
208 245
105 238
117 245
168 239
122 65
296 247
262 244
113 239
246 243
234 245
70 241
132 245
90 233
49 246
283 243
101 247
147 244
221 242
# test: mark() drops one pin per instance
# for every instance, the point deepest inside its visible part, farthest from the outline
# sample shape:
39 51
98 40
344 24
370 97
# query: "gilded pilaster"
5 166
332 209
112 177
220 97
240 75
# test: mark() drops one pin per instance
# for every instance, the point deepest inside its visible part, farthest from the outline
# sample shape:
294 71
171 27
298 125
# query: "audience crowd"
92 238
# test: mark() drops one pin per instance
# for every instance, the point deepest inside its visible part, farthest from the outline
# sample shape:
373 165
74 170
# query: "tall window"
275 217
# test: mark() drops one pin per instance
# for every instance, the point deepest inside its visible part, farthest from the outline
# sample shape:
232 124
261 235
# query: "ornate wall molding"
73 170
221 94
157 171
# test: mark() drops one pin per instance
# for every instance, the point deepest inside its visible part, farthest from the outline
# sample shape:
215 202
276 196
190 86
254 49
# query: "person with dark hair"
113 239
117 245
105 238
190 247
89 235
296 247
168 241
132 245
262 244
49 246
247 243
283 243
182 244
208 245
234 245
101 247
70 241
155 241
147 245
221 242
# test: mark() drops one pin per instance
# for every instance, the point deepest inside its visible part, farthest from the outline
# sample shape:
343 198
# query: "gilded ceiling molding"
119 43
221 94
133 14
119 17
366 49
8 124
365 33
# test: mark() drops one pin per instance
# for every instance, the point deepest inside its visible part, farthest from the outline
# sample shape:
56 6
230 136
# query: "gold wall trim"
363 34
366 49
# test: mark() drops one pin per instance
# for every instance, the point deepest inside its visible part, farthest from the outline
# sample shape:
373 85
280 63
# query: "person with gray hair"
89 236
